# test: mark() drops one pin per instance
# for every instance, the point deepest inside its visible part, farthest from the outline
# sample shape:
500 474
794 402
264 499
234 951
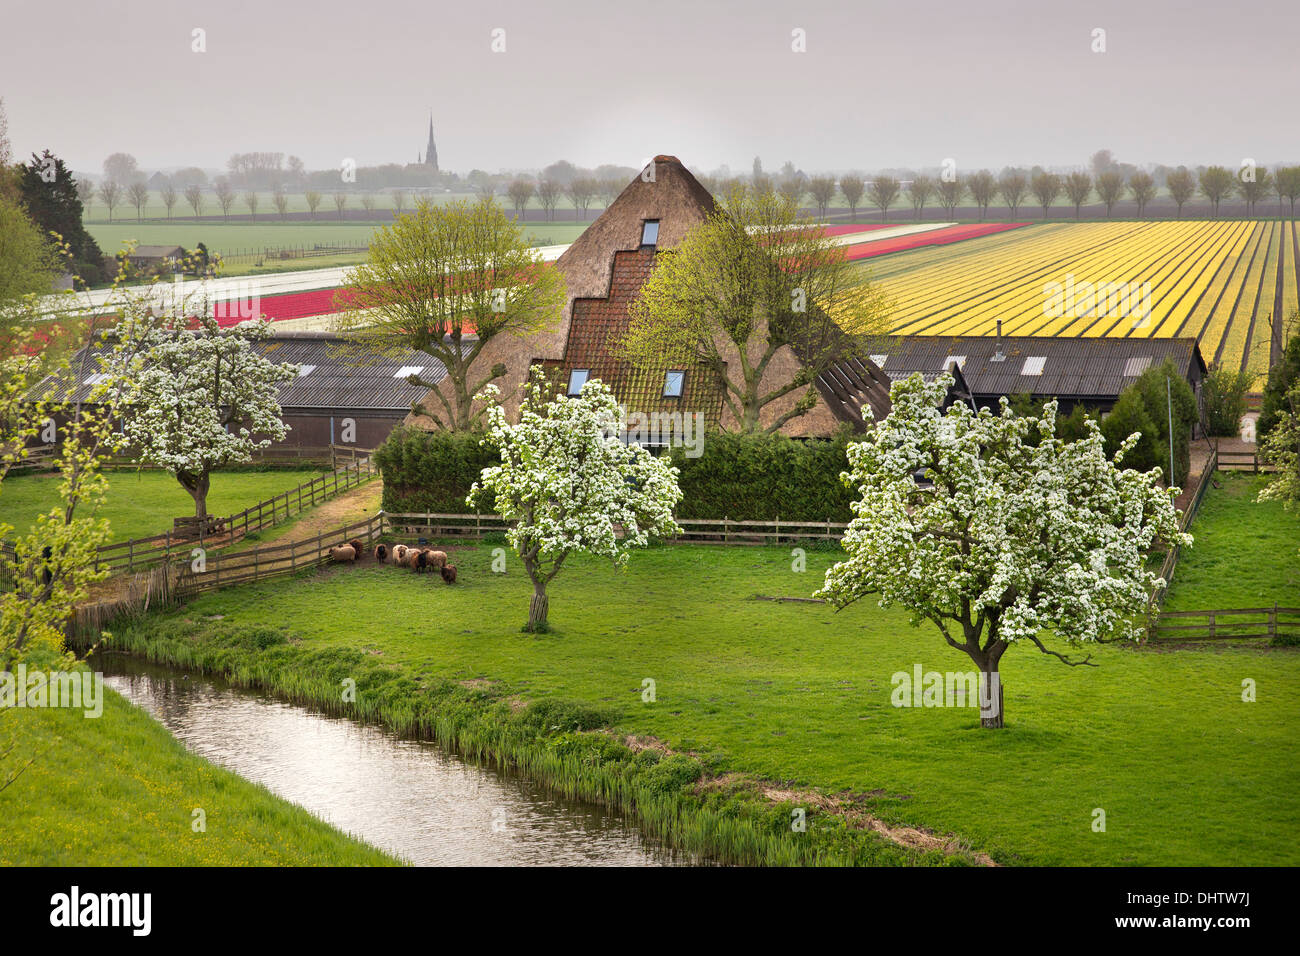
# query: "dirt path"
352 506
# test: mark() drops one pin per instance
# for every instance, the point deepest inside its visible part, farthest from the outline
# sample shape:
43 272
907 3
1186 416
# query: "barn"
1088 371
343 394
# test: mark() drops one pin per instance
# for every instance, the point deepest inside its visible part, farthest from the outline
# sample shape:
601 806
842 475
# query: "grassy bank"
119 790
1246 553
142 503
762 707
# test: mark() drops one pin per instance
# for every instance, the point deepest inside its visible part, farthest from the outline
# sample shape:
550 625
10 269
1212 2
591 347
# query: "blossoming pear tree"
201 397
996 540
569 484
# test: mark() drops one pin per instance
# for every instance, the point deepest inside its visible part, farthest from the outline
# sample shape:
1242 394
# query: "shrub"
764 477
431 471
1146 406
1280 378
671 774
1225 400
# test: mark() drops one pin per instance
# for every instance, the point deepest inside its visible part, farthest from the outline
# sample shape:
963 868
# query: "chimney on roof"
998 355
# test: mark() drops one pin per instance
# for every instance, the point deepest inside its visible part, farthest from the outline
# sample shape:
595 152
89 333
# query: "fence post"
1272 623
1211 624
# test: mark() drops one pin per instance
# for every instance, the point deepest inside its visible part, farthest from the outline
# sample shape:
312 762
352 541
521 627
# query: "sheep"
449 573
381 553
358 547
435 559
411 559
399 554
344 553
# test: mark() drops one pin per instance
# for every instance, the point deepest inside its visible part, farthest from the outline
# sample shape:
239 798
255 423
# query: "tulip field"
1221 281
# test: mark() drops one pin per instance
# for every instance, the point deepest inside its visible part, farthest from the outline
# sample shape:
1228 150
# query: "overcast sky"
883 83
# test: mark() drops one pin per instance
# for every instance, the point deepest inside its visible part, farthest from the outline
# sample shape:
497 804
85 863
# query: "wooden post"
1211 624
1272 623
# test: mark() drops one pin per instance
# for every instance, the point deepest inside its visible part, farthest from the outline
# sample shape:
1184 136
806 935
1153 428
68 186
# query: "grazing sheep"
344 553
358 547
449 573
381 553
412 559
399 554
435 559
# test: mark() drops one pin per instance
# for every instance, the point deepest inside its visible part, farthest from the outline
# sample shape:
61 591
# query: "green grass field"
799 695
119 790
142 503
1246 552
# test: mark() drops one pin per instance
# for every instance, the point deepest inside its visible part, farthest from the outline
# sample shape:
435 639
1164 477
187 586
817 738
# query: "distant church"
430 151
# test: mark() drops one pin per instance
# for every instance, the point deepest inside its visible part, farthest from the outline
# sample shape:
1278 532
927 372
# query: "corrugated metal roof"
1076 368
342 375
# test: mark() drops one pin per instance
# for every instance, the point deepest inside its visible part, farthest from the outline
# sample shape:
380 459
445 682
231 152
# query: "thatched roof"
665 190
604 271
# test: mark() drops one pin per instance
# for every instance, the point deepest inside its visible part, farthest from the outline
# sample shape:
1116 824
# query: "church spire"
431 151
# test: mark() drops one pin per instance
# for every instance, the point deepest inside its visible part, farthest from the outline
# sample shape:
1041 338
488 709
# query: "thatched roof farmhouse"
605 270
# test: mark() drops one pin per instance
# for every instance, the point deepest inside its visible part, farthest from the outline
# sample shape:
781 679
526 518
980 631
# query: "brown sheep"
435 559
344 553
412 559
381 553
358 547
449 573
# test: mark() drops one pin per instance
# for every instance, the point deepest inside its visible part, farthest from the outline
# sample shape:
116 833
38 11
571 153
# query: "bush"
1146 406
1128 416
764 477
1225 401
1280 378
431 471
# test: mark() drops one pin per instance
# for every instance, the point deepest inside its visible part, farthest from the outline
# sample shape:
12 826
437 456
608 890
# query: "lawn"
135 808
1246 552
796 694
142 503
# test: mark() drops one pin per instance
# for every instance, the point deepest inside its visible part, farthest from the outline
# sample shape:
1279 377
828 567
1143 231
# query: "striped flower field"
1222 282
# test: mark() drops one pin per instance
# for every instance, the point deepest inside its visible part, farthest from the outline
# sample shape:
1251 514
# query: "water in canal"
409 797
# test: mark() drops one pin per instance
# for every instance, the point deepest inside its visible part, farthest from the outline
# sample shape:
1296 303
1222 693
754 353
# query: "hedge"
742 477
764 477
431 471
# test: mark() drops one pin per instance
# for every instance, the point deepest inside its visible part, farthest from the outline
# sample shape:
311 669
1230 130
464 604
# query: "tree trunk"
538 607
990 690
197 486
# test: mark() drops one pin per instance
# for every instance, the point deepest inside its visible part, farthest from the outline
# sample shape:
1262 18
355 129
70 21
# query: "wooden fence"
695 530
1239 624
1243 461
225 570
1171 557
284 253
138 553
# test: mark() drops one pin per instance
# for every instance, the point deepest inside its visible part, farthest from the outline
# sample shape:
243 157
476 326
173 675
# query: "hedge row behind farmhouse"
742 477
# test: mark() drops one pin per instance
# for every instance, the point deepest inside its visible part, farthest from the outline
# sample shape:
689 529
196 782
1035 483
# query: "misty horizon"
896 87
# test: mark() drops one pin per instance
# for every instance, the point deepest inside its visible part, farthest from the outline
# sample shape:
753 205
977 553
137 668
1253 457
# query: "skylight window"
1033 365
1136 365
578 378
408 370
98 378
880 360
959 359
673 383
305 370
650 233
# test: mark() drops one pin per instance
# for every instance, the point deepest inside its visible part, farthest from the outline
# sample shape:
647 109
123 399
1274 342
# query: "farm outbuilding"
1089 371
343 395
